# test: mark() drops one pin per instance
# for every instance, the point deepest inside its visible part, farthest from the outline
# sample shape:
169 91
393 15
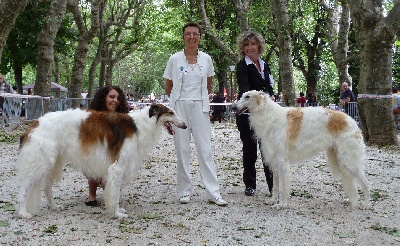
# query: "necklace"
192 66
191 60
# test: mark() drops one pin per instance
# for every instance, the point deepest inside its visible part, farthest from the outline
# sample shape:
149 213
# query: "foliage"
396 65
9 138
160 36
21 46
389 230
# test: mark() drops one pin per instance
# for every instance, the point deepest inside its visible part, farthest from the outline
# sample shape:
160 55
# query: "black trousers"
218 114
250 154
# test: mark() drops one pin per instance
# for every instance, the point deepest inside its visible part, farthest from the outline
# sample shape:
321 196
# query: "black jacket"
248 78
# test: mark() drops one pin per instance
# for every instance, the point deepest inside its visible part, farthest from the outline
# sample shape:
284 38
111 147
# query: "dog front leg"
284 183
113 191
275 186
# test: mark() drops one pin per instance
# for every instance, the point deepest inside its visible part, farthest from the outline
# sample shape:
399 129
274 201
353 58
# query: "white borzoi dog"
303 133
103 145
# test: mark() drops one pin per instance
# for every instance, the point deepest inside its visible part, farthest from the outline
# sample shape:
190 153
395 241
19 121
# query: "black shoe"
92 203
249 191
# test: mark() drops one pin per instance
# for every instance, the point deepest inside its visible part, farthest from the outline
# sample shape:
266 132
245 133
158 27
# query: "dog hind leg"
349 187
345 166
333 163
53 175
48 191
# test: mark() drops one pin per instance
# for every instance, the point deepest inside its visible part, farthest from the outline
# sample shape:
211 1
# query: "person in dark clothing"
218 110
252 73
311 100
348 100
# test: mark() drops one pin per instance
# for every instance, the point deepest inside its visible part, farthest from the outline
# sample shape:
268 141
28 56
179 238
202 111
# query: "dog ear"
154 110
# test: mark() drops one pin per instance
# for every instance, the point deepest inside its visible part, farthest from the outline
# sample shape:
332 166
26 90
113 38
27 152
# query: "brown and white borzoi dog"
104 145
303 133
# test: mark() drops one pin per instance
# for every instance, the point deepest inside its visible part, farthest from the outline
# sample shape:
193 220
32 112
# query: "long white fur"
345 150
56 141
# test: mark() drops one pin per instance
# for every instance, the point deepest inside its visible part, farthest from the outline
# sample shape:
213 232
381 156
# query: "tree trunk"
284 45
45 54
109 72
81 52
375 36
9 11
96 60
338 33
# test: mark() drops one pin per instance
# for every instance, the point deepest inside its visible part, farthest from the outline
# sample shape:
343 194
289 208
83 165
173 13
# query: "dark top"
218 99
348 93
248 78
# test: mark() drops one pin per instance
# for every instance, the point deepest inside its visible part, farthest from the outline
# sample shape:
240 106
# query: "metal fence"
16 108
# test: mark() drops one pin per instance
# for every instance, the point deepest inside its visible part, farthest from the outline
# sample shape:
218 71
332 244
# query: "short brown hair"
191 24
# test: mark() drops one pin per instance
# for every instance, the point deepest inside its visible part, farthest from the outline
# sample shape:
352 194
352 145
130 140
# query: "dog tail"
30 196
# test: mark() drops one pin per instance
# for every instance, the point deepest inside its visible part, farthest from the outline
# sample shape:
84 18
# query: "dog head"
249 101
166 116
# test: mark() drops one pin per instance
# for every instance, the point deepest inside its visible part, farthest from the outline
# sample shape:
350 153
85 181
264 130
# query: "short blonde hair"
244 38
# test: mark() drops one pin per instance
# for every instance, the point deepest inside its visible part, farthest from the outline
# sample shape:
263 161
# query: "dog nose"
234 107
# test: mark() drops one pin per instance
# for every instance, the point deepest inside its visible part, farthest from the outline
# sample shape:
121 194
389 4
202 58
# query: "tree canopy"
312 46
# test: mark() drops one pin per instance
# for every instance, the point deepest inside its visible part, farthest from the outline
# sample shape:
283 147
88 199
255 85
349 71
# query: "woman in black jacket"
252 73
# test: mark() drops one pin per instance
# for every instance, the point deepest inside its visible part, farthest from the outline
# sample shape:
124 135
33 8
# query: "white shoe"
184 199
219 201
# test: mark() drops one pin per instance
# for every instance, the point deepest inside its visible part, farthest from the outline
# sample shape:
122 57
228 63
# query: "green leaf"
391 231
18 232
9 207
245 228
149 216
3 223
51 229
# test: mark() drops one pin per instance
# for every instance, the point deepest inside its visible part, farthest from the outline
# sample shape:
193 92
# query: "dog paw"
121 210
279 206
271 202
25 215
120 215
366 205
57 207
346 202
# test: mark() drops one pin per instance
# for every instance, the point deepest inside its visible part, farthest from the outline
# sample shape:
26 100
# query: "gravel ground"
317 214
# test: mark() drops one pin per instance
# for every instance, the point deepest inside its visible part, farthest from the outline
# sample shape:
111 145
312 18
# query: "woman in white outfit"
188 83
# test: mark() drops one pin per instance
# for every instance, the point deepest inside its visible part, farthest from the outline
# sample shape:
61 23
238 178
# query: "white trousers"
198 126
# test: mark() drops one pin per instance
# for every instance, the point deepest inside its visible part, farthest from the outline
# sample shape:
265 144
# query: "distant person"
30 91
347 100
110 99
14 89
301 101
396 106
219 110
4 88
311 100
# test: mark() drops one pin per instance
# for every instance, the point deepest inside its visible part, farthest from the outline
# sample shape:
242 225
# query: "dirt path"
317 214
